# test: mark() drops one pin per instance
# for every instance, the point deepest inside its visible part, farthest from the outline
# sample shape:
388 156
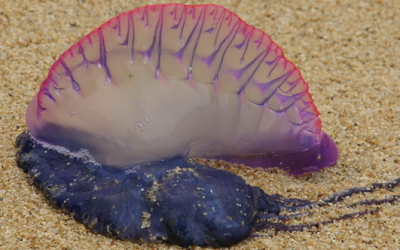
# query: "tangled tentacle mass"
172 201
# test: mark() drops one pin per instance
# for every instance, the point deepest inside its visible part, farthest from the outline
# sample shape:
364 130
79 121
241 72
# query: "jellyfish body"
114 125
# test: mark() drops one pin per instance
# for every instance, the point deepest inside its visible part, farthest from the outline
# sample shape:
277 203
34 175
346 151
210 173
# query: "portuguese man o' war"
115 128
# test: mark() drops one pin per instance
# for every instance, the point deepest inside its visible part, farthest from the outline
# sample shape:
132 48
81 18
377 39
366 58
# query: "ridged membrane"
174 80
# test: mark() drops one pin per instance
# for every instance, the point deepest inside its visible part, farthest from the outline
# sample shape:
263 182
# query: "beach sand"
349 53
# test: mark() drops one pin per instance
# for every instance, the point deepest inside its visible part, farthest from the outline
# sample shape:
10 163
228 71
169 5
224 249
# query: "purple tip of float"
322 155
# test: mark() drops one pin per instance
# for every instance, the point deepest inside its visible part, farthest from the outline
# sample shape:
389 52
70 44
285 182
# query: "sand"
348 52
